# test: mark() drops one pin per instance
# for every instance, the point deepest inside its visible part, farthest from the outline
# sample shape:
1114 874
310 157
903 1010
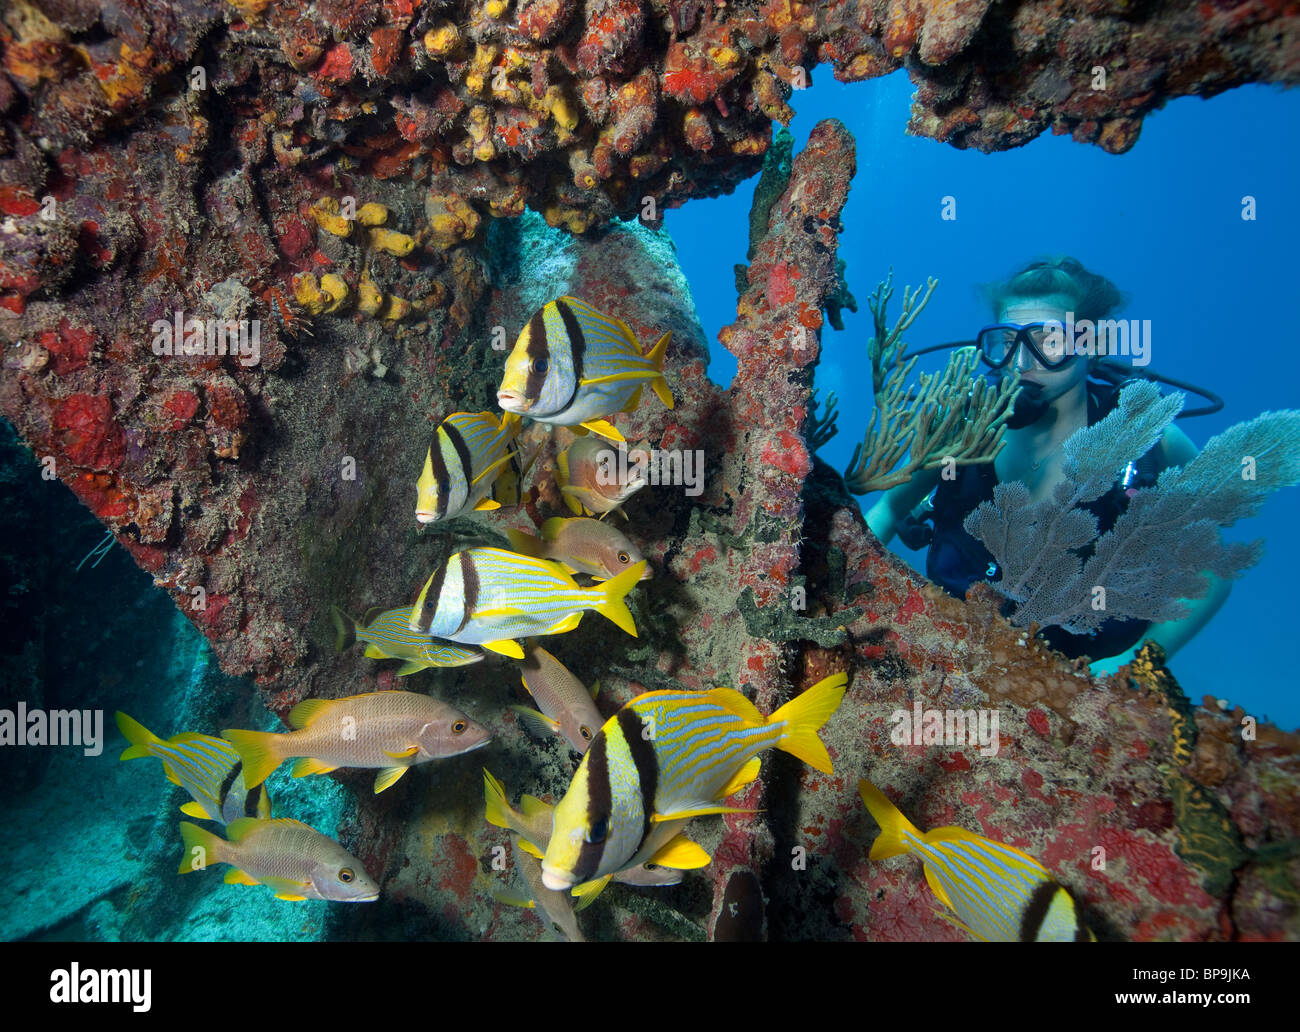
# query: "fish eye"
623 557
346 875
428 604
540 365
598 831
459 727
650 867
585 731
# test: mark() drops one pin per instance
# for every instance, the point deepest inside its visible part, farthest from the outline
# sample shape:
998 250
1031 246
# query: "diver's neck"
1033 452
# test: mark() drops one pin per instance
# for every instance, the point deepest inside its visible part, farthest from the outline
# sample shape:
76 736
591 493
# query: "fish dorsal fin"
538 723
741 778
552 527
937 887
505 647
702 810
604 428
371 615
238 830
681 854
532 807
193 809
529 848
309 710
733 702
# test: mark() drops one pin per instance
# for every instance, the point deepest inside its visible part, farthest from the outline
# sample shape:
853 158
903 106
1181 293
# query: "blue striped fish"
468 452
998 893
573 366
489 597
208 768
387 635
669 756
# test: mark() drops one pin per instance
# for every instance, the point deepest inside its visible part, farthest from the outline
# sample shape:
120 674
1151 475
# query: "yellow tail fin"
345 629
656 357
804 716
259 751
498 809
611 606
891 820
140 737
202 848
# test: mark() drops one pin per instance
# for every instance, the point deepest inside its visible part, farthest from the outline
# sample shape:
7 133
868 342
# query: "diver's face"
1054 383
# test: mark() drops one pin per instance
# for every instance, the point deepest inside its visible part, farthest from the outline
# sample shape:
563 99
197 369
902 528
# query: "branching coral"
942 419
1166 540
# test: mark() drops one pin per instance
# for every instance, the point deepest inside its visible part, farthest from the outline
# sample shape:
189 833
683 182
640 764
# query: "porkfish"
581 545
389 730
388 636
489 597
208 768
468 452
573 366
592 479
998 893
296 862
668 756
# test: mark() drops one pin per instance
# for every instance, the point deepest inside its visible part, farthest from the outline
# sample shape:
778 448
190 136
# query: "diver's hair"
1092 296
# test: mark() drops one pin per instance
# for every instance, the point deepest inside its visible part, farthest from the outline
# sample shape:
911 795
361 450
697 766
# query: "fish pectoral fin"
235 876
375 652
538 723
588 891
388 777
703 810
741 778
309 765
603 428
487 505
193 809
530 849
505 647
681 854
937 888
412 666
513 899
403 754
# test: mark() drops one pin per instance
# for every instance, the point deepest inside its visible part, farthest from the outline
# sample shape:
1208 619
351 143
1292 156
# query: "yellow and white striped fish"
293 860
388 636
468 451
669 756
573 366
208 768
998 893
489 597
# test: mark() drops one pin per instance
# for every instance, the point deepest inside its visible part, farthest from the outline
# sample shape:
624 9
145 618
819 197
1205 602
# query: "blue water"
1163 222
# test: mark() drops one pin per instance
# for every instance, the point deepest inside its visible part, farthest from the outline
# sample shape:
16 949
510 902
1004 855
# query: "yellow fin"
589 890
494 795
290 897
345 629
611 606
656 357
375 652
562 468
140 737
634 402
308 710
937 888
604 428
943 915
637 374
258 750
531 806
804 716
505 647
567 624
403 754
530 849
524 544
235 876
171 774
513 899
412 666
681 854
490 473
538 723
741 778
893 825
193 809
706 810
196 838
595 688
552 527
733 702
309 765
487 505
388 777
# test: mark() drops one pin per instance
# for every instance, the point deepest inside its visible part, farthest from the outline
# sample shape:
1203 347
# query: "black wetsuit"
956 560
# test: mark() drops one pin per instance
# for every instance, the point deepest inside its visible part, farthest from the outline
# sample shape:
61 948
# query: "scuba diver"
1056 398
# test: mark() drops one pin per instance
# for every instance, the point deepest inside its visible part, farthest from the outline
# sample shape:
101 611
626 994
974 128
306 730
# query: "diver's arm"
897 502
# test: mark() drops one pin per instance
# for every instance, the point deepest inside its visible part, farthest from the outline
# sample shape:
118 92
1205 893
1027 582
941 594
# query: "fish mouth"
513 401
366 899
424 517
557 881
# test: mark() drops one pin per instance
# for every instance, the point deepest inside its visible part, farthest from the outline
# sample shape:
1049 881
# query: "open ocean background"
1163 222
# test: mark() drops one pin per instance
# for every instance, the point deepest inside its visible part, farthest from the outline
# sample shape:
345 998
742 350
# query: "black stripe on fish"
442 483
1039 902
462 453
228 783
577 343
431 597
470 584
642 749
599 805
251 800
537 347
